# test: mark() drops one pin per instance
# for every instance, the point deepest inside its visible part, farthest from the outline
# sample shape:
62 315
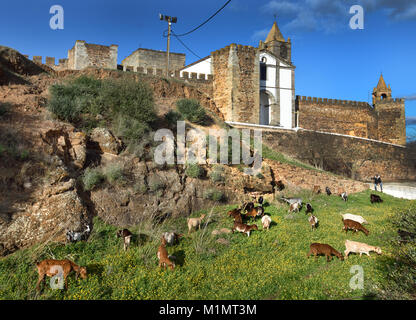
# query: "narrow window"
263 71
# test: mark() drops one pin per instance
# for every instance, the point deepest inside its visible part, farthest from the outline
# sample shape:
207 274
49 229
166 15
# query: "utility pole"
170 20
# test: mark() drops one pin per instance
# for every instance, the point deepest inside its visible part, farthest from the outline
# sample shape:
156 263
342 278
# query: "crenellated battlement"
315 100
237 47
190 76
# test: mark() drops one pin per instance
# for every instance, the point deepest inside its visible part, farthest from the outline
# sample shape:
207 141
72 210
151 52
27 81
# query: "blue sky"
331 59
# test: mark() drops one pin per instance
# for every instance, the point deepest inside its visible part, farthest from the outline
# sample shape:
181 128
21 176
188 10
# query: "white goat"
266 221
356 218
359 247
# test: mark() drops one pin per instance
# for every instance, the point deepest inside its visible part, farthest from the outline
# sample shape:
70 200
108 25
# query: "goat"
309 208
295 207
50 268
126 235
195 222
255 212
162 255
340 191
359 247
328 191
236 214
74 236
375 198
317 189
260 200
354 225
247 206
244 228
172 237
344 196
266 222
354 217
324 249
313 221
292 200
233 212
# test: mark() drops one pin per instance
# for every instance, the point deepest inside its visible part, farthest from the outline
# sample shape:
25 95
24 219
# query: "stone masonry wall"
237 82
352 157
391 121
84 55
384 122
154 59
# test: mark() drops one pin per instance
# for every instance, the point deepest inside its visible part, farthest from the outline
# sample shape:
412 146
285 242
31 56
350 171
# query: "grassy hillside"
267 265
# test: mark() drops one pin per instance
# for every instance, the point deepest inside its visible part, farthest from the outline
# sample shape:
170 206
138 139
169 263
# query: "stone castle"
256 86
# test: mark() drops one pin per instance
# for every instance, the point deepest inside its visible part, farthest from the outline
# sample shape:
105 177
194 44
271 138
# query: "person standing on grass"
377 181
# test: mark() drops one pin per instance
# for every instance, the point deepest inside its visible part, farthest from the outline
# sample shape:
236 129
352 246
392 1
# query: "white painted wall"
200 67
286 108
285 78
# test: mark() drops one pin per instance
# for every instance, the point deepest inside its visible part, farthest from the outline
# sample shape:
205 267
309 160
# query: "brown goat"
244 228
126 235
162 255
354 225
255 212
324 249
50 268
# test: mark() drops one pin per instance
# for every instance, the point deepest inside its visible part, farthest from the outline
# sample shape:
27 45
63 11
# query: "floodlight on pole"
169 20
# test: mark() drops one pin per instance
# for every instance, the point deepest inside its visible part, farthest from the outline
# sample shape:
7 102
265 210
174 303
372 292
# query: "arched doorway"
265 108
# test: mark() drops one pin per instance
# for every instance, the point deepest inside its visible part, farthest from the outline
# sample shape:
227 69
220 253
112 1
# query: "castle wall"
337 116
84 55
357 158
237 82
147 58
384 122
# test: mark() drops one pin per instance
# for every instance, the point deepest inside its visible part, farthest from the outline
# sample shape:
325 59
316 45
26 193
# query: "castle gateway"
257 86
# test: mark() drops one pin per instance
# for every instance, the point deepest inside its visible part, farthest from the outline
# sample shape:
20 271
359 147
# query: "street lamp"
169 20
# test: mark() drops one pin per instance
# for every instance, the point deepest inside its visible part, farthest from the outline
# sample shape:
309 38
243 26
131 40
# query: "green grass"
267 265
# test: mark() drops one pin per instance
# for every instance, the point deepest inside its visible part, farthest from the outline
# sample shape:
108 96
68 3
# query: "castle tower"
381 91
276 43
391 120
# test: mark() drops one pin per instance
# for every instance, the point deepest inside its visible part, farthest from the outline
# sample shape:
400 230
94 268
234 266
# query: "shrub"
126 104
91 178
114 173
172 117
214 195
216 174
140 187
69 101
191 110
194 171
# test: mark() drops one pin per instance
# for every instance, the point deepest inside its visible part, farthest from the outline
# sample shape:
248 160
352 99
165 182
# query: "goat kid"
354 225
126 235
244 228
194 223
375 198
324 249
74 236
313 221
162 255
266 222
172 237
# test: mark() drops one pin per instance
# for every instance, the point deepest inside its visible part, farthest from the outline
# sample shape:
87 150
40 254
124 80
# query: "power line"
186 33
189 49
